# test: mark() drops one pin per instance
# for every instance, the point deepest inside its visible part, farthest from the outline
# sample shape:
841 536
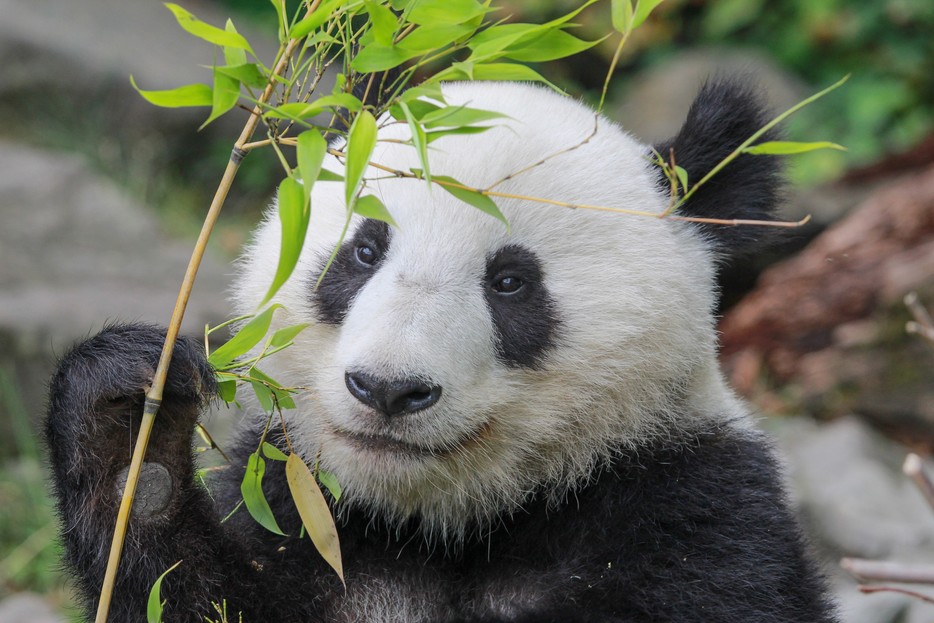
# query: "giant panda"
529 423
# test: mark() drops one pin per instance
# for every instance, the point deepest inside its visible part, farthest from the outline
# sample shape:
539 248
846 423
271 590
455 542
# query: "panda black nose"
392 397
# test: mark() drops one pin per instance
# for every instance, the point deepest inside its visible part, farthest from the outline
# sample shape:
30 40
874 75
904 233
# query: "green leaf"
417 108
189 95
643 9
299 110
227 389
371 207
444 11
495 71
550 46
621 15
427 90
376 57
312 22
434 135
329 176
226 93
494 41
248 73
207 32
314 511
285 335
278 396
246 338
310 153
279 6
155 603
419 141
361 140
273 453
253 497
329 481
294 214
433 36
383 20
785 148
473 197
455 116
682 177
233 56
264 395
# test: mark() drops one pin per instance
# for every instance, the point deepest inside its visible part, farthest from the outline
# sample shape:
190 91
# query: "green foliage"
155 603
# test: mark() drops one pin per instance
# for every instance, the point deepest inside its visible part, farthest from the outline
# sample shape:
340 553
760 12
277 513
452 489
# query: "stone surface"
75 253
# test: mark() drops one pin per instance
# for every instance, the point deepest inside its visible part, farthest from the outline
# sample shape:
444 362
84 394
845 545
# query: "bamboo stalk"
154 395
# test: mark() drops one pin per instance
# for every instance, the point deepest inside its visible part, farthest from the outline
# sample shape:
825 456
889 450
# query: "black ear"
724 114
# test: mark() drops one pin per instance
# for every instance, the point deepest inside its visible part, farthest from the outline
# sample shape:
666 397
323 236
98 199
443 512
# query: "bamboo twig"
154 395
894 589
914 469
879 571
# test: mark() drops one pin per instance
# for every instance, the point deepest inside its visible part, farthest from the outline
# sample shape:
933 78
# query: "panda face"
454 366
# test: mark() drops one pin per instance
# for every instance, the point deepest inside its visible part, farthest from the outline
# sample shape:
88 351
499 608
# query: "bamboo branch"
879 571
154 395
895 589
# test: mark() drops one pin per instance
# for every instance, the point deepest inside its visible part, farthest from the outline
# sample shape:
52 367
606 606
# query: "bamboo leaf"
445 11
371 207
264 396
361 140
227 389
467 129
310 152
473 197
643 9
285 335
299 110
253 497
205 31
189 95
621 15
419 140
550 46
315 20
273 453
785 148
377 57
294 214
226 92
155 603
233 56
682 177
246 338
330 483
248 73
278 396
383 21
455 116
433 36
314 511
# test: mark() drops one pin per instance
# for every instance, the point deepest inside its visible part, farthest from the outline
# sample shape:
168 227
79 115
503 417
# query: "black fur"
724 114
347 274
690 528
525 321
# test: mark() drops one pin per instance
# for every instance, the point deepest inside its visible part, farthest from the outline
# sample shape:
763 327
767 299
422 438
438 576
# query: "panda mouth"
385 444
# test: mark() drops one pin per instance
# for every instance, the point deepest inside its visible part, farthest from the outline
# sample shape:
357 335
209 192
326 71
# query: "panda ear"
724 114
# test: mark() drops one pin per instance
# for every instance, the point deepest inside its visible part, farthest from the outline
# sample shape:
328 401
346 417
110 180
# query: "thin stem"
154 395
612 69
914 469
875 570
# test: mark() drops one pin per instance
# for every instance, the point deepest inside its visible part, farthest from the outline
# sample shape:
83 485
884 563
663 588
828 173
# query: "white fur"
635 351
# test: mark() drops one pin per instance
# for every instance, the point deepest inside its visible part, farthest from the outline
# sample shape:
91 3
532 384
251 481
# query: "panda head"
454 368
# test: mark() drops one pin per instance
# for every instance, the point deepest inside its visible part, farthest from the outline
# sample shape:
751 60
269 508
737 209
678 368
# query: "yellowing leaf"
314 511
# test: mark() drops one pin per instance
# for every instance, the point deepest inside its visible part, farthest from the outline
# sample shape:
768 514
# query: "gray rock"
75 253
27 608
846 480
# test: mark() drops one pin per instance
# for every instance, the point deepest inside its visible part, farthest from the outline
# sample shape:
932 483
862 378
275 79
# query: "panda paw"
118 364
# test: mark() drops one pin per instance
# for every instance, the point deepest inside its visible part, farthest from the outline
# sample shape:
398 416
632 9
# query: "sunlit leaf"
621 15
300 110
433 36
467 129
383 20
310 152
294 214
682 174
273 452
314 511
452 116
361 140
643 9
494 71
189 95
286 334
371 207
473 197
253 497
419 141
155 603
207 32
246 338
785 148
377 57
330 483
226 92
312 22
550 46
248 73
445 11
233 56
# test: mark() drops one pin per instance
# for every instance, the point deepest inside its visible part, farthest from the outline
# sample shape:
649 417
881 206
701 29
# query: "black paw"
118 364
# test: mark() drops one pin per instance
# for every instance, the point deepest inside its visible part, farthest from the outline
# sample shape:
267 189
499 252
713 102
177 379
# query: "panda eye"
508 285
366 255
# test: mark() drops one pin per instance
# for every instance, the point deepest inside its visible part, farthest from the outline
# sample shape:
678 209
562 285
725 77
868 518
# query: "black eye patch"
357 260
524 316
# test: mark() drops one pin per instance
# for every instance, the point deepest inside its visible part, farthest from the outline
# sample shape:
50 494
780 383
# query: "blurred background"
101 197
